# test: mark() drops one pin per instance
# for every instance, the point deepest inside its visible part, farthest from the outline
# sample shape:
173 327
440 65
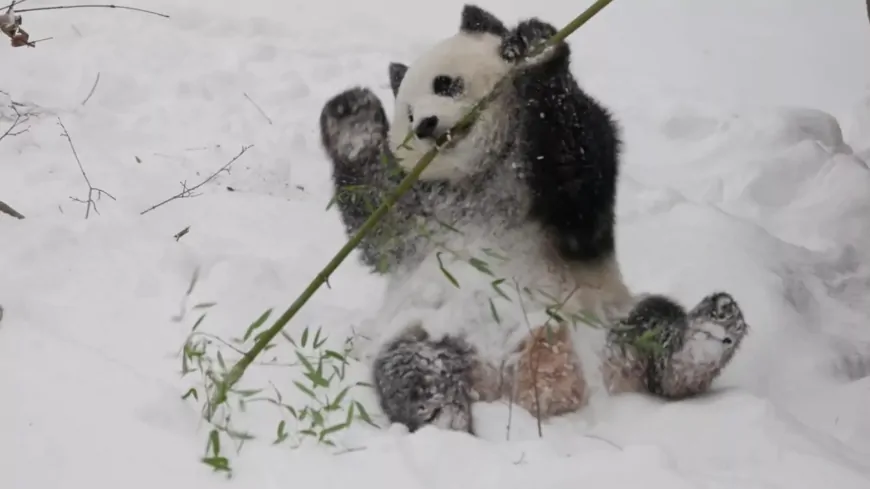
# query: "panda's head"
440 87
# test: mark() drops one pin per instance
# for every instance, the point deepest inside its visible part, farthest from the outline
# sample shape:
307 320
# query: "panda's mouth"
453 136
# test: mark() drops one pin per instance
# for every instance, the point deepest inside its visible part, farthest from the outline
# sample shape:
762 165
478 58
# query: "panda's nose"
426 127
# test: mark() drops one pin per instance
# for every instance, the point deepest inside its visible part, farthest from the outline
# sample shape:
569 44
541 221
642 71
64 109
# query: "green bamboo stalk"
239 368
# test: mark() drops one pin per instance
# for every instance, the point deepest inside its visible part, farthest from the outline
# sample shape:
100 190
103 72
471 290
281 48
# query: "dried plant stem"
20 119
93 89
533 365
18 2
259 109
187 192
92 191
64 7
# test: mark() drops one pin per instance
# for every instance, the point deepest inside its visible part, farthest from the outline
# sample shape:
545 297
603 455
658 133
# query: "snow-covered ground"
747 128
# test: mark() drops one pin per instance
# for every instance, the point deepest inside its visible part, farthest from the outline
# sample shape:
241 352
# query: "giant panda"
506 239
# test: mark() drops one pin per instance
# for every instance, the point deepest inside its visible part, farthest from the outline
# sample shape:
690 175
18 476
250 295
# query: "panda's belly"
473 291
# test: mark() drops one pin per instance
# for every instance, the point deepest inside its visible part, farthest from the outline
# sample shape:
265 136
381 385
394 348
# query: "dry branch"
7 7
92 191
119 7
533 365
262 112
10 22
188 192
7 209
93 89
19 120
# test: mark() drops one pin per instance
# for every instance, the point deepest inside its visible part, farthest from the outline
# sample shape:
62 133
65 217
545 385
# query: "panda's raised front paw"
352 106
352 121
525 37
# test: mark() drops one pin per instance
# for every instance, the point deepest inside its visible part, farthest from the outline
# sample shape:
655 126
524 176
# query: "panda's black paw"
655 314
721 310
526 37
352 121
354 105
421 381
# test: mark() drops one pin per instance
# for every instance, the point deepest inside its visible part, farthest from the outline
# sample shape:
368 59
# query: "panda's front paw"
354 106
352 122
526 37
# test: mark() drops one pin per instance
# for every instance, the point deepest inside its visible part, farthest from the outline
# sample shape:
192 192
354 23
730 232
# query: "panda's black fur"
543 171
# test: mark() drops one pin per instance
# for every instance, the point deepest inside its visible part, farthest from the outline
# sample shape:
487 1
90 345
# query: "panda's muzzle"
427 128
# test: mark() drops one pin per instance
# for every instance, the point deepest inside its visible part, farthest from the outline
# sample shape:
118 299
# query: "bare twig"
533 364
7 7
188 192
14 103
7 209
20 119
605 440
510 413
119 7
350 450
537 351
263 113
93 89
92 191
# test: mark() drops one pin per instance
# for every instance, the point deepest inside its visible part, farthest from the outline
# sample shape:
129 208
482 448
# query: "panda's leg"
702 346
422 381
636 342
353 132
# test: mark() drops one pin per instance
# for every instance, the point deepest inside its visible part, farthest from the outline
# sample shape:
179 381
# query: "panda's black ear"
397 74
475 20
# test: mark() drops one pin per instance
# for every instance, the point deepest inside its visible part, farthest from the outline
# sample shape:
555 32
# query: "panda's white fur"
473 57
510 221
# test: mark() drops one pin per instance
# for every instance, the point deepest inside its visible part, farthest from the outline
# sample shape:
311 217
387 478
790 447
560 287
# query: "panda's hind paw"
655 310
421 381
720 308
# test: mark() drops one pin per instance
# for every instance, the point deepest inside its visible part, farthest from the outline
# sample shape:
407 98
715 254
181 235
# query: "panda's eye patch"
410 114
446 86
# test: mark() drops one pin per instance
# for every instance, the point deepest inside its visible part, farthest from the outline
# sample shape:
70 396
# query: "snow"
747 129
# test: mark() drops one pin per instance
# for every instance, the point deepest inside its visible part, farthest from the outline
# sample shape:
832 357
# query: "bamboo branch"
238 369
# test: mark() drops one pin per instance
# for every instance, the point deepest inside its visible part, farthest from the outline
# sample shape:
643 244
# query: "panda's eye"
410 114
446 86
